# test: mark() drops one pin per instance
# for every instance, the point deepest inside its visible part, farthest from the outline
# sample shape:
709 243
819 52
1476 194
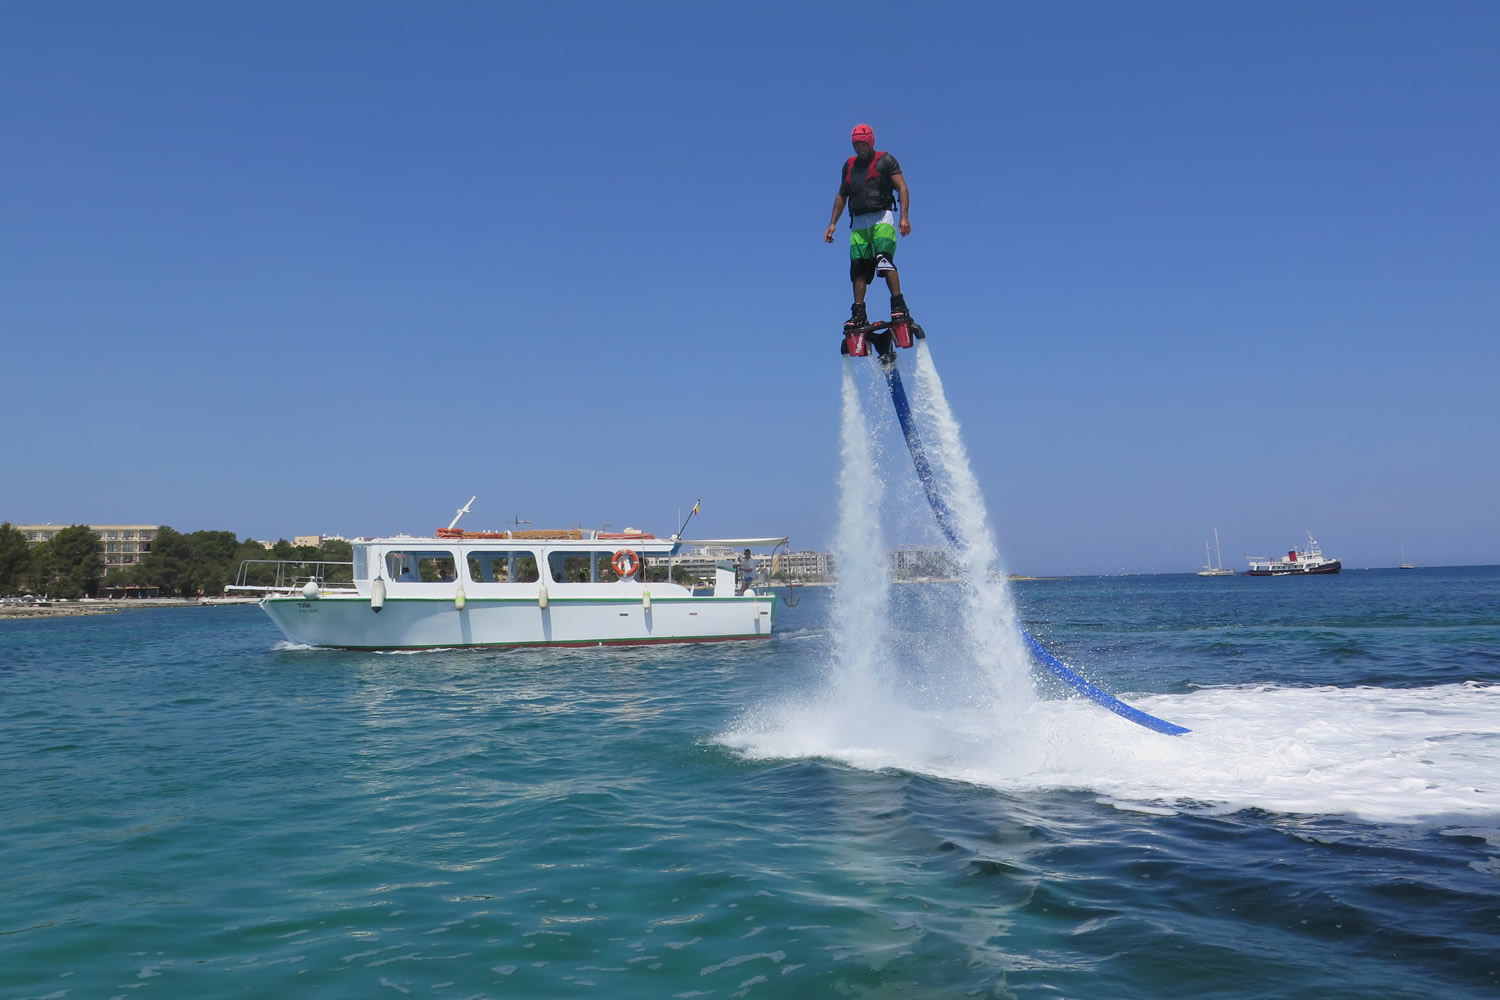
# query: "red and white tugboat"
1297 562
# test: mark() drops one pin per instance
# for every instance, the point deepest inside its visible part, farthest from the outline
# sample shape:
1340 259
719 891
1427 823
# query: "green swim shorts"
872 241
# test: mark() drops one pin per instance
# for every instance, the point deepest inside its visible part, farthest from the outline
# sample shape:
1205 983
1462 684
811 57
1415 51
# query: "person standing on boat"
869 182
746 566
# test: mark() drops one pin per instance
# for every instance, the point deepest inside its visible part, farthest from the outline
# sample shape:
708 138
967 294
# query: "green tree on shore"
168 566
334 550
205 562
15 557
211 555
70 564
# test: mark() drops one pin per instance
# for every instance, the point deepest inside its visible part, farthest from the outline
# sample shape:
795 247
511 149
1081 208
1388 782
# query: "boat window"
420 566
605 568
361 562
503 567
570 567
584 567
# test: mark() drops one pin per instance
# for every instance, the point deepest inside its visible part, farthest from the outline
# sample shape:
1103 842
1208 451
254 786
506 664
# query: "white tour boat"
520 588
1298 562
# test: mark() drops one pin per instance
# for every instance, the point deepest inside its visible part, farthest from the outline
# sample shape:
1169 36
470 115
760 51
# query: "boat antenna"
689 518
461 512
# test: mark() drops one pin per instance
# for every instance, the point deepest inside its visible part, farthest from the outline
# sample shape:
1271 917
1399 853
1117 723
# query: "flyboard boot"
899 332
904 332
856 330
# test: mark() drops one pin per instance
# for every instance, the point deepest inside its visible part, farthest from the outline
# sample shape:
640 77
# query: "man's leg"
883 243
861 261
861 273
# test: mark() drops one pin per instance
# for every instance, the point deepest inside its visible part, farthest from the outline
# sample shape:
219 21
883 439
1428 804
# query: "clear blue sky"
333 267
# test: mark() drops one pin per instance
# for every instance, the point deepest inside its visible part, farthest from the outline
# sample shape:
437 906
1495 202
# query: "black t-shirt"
865 193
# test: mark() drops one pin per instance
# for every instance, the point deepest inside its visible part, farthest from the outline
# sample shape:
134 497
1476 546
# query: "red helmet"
863 133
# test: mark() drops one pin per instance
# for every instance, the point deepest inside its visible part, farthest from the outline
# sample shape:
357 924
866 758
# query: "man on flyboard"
869 182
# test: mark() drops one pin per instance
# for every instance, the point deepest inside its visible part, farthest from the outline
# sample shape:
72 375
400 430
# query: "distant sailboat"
1208 564
1404 563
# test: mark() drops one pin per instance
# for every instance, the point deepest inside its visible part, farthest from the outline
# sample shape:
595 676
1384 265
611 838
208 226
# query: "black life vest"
872 193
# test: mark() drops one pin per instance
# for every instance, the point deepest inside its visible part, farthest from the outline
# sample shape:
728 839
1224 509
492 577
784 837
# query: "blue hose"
945 523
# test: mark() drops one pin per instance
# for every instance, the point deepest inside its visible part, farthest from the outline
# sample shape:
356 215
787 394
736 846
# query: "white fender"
310 590
460 599
541 596
377 595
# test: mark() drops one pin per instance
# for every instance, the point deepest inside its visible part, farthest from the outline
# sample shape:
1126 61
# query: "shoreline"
79 609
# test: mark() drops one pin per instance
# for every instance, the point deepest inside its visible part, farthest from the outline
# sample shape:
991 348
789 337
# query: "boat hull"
347 622
1323 569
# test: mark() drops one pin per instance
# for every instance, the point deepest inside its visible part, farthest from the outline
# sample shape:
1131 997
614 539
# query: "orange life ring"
623 559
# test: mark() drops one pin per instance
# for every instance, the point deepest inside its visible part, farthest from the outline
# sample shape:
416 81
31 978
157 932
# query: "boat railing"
286 576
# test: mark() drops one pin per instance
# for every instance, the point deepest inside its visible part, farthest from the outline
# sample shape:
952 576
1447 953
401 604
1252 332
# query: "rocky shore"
72 609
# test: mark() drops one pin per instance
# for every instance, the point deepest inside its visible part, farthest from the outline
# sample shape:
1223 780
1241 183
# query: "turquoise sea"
191 807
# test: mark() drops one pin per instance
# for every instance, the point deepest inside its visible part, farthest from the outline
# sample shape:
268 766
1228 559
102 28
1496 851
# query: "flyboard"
904 333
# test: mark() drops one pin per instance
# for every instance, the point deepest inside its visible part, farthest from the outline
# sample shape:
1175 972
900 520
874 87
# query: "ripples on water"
190 809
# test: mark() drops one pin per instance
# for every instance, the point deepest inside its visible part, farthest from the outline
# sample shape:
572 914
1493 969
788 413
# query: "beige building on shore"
123 544
316 540
804 564
797 566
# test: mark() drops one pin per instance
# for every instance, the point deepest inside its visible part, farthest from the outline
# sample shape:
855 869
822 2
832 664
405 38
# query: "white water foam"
990 614
1377 754
860 601
905 698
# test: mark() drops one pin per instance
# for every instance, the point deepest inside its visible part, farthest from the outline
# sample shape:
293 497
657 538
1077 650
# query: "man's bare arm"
899 180
833 222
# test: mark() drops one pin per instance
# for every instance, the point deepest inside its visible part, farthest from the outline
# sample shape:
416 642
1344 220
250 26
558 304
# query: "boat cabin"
501 563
